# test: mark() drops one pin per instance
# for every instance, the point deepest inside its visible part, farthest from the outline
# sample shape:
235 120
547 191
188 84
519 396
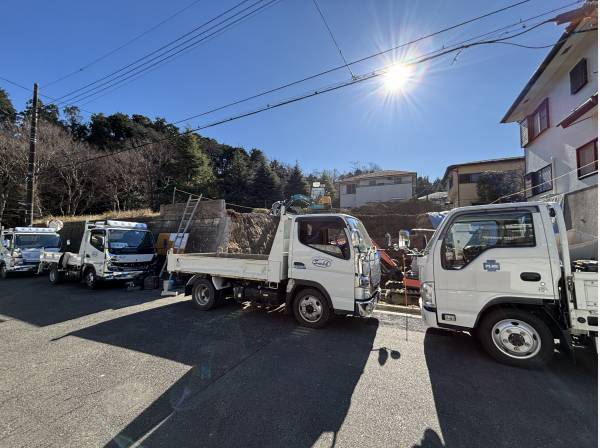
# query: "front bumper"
123 275
429 314
30 267
365 307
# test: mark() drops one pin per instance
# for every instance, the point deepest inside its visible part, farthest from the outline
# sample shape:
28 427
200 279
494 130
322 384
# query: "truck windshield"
365 242
130 241
36 241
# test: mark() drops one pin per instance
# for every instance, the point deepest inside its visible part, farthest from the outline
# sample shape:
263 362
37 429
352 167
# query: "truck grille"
117 266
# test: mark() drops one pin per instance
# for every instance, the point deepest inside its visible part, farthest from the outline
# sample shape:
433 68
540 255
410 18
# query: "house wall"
466 194
384 190
557 146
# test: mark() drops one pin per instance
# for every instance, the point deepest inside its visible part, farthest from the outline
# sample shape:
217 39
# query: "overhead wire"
120 47
374 55
168 53
332 37
358 79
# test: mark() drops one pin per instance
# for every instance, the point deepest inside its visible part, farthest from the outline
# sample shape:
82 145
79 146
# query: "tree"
296 184
495 185
425 186
266 188
194 171
74 124
49 113
8 114
237 179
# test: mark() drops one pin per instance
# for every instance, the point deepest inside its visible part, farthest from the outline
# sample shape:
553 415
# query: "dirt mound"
249 233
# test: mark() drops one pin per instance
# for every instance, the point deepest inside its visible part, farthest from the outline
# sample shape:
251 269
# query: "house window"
534 124
470 178
587 159
578 76
350 188
538 181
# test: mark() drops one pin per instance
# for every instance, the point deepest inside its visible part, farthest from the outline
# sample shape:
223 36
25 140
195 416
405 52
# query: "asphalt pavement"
118 368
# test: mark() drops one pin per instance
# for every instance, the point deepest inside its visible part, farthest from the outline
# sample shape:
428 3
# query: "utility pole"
31 162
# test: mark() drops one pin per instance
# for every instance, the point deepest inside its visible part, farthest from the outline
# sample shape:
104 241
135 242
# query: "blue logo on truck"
491 266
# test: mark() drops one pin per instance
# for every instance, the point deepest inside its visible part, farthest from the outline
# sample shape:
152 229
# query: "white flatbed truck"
21 248
503 273
109 250
318 265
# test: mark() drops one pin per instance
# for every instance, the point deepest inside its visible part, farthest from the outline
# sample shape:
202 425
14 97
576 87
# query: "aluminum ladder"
186 219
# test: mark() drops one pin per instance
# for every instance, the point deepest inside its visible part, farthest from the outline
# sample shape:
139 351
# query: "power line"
356 80
184 51
333 37
160 51
331 70
120 47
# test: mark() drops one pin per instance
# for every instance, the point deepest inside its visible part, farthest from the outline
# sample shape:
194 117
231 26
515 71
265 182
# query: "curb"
398 309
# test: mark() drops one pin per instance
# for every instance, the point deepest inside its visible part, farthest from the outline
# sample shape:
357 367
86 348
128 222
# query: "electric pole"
31 162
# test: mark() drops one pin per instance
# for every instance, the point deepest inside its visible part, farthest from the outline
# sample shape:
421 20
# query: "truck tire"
90 279
311 309
55 276
516 337
3 271
204 294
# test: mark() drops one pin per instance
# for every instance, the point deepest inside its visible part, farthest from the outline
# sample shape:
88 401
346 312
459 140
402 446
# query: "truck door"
94 249
321 254
487 255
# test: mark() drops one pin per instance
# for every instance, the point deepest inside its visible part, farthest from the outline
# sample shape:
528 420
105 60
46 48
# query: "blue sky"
449 112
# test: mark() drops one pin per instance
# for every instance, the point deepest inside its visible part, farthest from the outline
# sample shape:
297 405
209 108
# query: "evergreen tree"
266 188
193 169
7 110
296 183
237 179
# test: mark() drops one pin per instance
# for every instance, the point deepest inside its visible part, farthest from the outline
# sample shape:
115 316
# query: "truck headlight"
428 293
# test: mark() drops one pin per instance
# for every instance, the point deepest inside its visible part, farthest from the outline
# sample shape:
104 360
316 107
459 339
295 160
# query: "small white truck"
318 265
503 273
109 250
21 248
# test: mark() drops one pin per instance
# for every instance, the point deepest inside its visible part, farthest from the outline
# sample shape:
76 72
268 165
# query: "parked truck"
21 248
109 250
503 273
318 265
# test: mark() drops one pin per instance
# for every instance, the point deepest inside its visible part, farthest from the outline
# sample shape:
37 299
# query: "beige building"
462 178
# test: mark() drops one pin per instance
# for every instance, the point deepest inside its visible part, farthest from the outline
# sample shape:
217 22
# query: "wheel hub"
311 309
516 338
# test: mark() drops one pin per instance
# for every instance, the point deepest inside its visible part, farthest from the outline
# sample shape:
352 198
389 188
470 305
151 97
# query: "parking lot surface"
118 368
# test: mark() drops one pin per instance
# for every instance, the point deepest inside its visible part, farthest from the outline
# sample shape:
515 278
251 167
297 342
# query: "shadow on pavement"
257 379
34 300
480 402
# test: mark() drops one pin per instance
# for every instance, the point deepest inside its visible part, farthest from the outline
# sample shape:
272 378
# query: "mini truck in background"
22 246
503 273
109 250
318 265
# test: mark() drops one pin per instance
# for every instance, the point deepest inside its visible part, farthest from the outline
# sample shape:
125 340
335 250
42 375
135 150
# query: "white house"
558 117
380 186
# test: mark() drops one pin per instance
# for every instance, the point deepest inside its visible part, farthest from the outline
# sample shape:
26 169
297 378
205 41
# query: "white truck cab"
21 248
318 265
503 273
109 250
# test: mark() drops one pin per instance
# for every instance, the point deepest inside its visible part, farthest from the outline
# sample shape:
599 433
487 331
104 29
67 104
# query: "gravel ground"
119 368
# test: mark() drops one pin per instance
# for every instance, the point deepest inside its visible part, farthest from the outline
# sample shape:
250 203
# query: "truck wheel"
3 271
90 279
516 337
311 308
204 294
55 276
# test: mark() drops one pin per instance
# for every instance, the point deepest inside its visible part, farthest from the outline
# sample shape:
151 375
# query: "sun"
397 77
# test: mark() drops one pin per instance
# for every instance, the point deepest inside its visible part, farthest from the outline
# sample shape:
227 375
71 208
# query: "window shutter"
524 132
544 115
578 76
